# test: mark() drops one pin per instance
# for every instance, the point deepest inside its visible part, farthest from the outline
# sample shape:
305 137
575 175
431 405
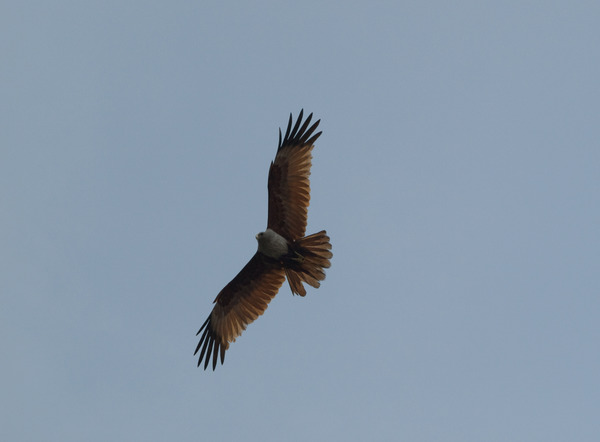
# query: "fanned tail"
309 257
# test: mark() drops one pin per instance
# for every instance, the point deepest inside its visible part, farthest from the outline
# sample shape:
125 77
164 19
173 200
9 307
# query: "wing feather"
289 184
240 302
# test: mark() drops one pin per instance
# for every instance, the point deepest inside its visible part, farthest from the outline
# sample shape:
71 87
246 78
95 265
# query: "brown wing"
289 186
240 302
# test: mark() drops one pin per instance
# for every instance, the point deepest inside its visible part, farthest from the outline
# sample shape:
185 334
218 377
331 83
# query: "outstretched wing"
240 302
289 185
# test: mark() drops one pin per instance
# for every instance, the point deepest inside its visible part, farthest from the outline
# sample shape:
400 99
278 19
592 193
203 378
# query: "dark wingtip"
209 346
299 135
208 352
287 131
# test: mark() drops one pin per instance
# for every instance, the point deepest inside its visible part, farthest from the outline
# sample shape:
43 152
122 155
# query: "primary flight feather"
283 250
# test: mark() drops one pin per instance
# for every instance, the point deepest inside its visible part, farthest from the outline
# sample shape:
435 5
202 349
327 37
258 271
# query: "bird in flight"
283 249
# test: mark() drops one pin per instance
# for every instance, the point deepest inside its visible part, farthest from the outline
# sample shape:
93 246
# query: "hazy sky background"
457 175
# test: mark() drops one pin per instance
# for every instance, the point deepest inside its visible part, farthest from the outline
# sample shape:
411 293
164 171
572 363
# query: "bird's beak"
256 236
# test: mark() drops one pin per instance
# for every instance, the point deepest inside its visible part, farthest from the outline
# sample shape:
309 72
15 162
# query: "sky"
457 176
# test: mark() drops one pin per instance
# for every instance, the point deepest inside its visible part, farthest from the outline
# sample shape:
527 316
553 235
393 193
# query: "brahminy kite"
283 250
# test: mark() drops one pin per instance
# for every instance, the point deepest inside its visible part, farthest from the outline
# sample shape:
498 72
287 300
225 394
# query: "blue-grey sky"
457 175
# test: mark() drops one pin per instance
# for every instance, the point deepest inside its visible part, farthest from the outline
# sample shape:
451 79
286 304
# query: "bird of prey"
283 249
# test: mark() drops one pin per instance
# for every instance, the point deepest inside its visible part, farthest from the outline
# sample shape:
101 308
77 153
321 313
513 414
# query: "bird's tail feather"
311 255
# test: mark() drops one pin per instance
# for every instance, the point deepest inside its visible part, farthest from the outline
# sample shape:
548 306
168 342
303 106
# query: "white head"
271 244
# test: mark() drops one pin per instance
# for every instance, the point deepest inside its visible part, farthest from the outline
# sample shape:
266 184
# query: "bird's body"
283 249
